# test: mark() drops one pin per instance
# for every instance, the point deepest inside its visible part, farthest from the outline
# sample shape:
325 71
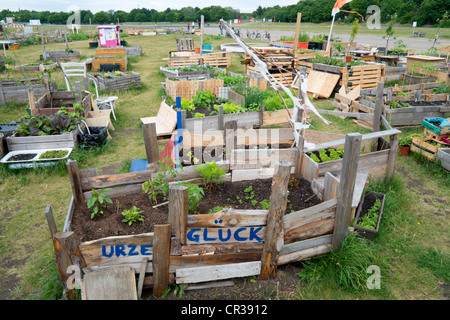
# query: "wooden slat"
218 272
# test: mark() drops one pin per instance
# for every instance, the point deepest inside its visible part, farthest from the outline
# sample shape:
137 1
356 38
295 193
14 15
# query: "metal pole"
329 35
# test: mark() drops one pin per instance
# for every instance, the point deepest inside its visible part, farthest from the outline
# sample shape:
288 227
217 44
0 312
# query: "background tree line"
422 11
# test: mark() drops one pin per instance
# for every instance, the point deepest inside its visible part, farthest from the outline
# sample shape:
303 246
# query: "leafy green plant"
204 98
195 194
198 115
314 157
53 154
265 204
215 209
159 184
43 125
229 81
132 215
230 107
211 174
405 142
98 201
187 105
370 219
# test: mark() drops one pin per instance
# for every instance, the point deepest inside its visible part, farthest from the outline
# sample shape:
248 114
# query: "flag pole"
329 36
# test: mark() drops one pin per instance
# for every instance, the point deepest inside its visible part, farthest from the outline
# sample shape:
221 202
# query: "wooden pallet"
213 59
421 145
366 76
188 88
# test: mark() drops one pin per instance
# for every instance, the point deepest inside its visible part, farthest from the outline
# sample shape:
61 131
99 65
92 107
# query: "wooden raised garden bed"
412 113
189 71
61 55
16 90
65 140
188 88
427 147
117 80
187 248
51 102
97 62
443 156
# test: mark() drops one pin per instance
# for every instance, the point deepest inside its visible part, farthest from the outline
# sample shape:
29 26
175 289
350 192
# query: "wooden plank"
226 235
218 272
117 283
118 250
229 217
321 84
161 254
346 187
277 208
115 180
304 254
306 244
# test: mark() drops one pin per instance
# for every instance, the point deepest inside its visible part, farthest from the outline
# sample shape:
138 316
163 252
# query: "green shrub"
132 215
211 174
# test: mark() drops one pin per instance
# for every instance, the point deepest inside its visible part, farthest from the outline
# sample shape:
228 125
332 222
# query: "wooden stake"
151 142
178 212
346 187
378 111
161 255
297 32
274 230
75 182
51 220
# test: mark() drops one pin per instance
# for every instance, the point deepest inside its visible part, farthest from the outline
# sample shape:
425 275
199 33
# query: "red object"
301 45
169 151
446 140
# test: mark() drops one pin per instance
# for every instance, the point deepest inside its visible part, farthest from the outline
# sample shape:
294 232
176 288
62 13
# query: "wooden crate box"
116 81
96 62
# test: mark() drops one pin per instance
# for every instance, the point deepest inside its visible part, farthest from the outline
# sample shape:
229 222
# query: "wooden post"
151 142
202 22
346 187
230 138
47 88
67 254
32 102
50 220
75 182
261 113
178 212
378 111
161 255
44 53
65 38
297 32
274 230
220 117
393 144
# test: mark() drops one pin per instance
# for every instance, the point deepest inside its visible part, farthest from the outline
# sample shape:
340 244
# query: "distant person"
193 25
189 25
221 29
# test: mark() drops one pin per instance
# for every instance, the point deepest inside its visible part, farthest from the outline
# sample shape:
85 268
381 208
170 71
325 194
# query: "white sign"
415 24
35 22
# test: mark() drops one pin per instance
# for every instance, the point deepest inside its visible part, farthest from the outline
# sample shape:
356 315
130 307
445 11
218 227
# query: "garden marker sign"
226 235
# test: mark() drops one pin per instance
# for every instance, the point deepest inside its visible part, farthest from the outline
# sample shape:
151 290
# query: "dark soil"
223 195
22 157
207 111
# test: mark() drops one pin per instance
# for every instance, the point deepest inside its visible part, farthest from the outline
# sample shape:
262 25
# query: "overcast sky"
127 5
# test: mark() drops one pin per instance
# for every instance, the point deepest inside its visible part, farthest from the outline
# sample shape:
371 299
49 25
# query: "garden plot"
16 90
117 80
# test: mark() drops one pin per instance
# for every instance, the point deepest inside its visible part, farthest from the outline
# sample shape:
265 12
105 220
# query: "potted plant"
404 145
369 213
354 32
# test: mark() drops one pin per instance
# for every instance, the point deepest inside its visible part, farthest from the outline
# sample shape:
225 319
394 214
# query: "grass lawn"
411 250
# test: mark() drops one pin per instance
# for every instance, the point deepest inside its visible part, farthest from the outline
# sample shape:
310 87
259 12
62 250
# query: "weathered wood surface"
161 258
311 222
65 140
274 234
219 272
229 217
118 283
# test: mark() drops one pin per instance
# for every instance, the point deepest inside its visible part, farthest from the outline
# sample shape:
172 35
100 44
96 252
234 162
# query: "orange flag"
339 4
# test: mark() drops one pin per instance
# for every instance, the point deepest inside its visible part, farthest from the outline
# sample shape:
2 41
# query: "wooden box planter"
437 125
198 248
61 55
411 79
52 102
427 147
366 203
414 115
17 90
66 140
117 81
175 73
186 89
97 62
443 155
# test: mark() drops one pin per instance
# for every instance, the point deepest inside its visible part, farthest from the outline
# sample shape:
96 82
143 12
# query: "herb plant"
159 185
211 174
132 215
195 194
370 219
98 201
